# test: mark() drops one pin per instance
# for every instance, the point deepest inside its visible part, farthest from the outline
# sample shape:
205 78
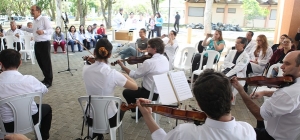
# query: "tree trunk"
154 6
108 5
52 11
207 16
78 13
82 11
58 19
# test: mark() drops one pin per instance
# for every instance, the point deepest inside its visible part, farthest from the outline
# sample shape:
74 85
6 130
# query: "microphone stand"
66 29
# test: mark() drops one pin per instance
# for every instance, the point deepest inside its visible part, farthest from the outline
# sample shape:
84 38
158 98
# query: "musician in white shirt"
158 64
215 103
16 33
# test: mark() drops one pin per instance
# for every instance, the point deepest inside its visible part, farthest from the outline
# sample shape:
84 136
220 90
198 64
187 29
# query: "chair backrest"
99 105
27 39
184 56
21 107
212 54
9 42
278 65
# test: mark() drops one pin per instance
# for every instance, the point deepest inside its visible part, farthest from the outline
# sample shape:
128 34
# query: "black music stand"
66 29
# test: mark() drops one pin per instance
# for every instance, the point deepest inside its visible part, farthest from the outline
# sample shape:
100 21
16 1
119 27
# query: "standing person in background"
158 24
58 40
131 22
101 31
176 24
141 23
297 38
2 33
42 32
119 20
151 26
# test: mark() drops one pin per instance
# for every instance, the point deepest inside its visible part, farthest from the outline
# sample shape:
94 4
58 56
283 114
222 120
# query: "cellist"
216 103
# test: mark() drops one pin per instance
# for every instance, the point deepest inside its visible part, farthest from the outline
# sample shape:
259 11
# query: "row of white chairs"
26 48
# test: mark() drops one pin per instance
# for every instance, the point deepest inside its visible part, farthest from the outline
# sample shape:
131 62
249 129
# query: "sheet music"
164 88
181 86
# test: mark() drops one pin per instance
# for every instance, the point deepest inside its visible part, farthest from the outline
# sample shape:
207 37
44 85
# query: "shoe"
64 51
73 51
116 55
28 57
55 52
47 85
80 50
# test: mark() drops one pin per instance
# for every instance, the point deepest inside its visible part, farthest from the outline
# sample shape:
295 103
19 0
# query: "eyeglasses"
258 40
287 42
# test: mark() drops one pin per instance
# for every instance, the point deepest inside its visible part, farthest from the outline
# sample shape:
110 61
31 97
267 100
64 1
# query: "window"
273 14
220 10
196 11
231 10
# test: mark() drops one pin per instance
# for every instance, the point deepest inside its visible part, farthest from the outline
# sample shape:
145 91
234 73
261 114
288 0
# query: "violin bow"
85 47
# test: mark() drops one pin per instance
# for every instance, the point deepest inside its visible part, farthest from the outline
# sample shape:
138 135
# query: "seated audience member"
90 40
281 110
101 31
96 35
73 38
2 33
14 83
82 36
279 45
141 47
219 124
16 33
100 79
279 54
58 40
171 44
259 57
157 64
251 42
297 38
215 43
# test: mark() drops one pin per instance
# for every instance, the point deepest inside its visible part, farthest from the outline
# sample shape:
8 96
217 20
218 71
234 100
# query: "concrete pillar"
186 17
267 18
287 20
225 14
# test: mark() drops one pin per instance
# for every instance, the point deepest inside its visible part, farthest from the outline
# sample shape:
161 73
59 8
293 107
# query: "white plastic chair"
21 107
99 106
27 48
183 61
210 62
9 42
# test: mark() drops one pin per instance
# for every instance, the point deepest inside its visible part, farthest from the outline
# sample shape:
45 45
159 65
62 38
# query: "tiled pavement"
67 115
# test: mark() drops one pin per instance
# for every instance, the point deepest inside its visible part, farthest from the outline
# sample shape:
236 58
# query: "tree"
207 16
82 8
252 10
155 5
106 5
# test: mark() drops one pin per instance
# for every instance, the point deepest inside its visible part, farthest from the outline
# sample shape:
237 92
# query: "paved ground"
63 95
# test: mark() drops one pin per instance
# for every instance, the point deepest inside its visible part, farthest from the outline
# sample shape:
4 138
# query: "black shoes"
46 84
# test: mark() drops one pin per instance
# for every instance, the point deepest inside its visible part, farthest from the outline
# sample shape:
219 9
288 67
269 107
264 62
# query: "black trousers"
18 45
45 121
261 132
151 32
176 24
131 95
42 54
248 71
196 63
86 44
158 31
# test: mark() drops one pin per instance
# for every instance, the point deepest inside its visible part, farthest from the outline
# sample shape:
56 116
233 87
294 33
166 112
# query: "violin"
171 112
89 60
276 82
133 59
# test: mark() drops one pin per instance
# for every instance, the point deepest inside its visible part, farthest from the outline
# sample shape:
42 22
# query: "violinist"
157 64
219 124
281 110
100 79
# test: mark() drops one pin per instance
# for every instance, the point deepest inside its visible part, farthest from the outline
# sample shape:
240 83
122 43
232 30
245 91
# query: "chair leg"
32 58
37 132
192 80
120 129
113 133
136 115
233 100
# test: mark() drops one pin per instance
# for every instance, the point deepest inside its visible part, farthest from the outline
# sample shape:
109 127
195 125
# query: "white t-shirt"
282 112
100 79
210 130
14 83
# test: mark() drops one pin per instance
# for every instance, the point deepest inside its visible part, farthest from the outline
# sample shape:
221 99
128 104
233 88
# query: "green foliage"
44 4
252 10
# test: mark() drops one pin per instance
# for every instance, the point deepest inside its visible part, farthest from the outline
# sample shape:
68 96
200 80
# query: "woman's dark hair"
286 36
174 32
158 14
215 101
87 28
10 58
293 47
58 34
158 44
71 27
243 41
144 30
103 49
81 31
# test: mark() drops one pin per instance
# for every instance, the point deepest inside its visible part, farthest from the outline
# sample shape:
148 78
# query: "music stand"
66 29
